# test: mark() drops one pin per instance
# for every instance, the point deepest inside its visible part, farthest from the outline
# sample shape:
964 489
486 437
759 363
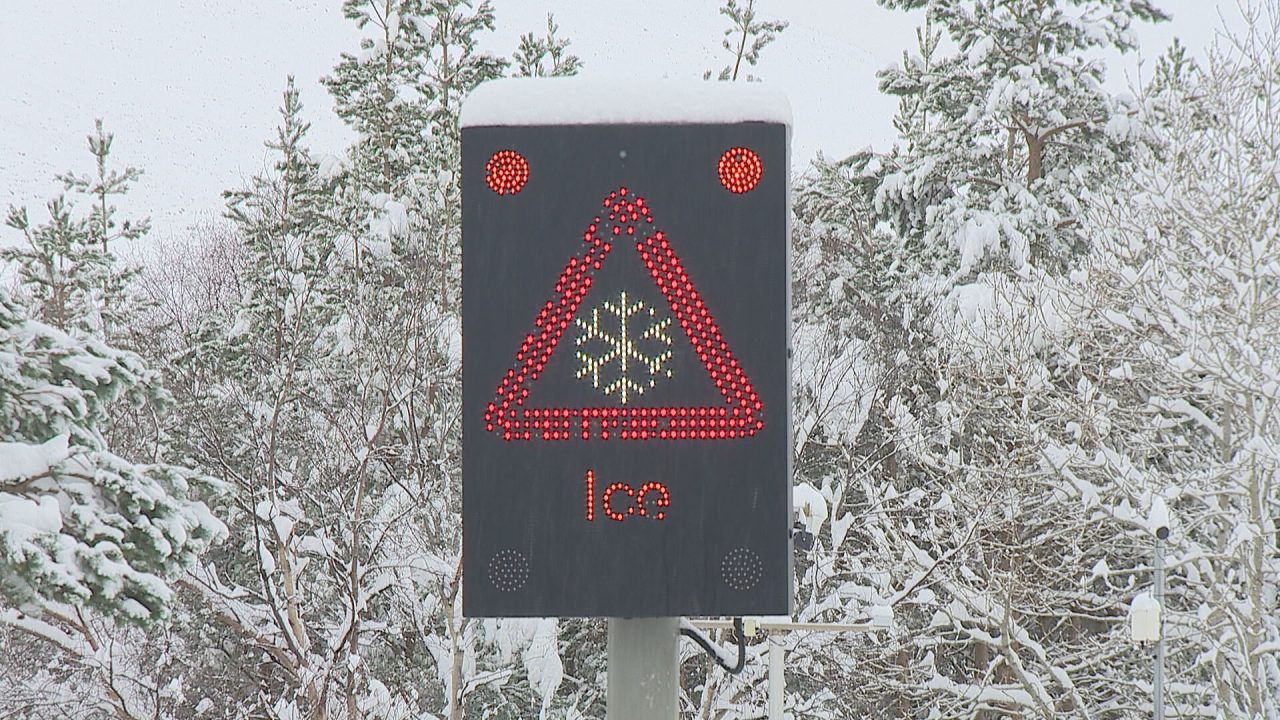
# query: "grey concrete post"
644 677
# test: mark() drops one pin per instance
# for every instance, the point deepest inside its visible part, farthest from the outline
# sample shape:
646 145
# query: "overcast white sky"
191 87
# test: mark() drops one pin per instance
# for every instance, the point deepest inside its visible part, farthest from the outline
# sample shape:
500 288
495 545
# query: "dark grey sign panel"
626 434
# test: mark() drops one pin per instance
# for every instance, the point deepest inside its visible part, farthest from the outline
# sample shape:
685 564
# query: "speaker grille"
741 569
508 570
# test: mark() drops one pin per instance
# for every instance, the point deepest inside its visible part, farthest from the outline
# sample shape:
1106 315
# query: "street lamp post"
1157 689
1146 614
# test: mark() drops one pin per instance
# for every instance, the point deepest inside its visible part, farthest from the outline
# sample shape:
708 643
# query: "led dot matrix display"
626 444
512 413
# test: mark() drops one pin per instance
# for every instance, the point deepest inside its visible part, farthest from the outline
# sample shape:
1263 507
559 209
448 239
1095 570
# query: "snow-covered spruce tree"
1008 134
69 278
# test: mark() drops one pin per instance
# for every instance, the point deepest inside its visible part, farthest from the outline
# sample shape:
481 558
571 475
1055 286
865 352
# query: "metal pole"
1158 688
644 677
797 626
777 679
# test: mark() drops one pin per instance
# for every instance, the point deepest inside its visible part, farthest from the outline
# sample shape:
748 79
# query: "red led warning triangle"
629 220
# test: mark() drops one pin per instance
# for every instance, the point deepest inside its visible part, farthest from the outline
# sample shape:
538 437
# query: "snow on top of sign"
582 101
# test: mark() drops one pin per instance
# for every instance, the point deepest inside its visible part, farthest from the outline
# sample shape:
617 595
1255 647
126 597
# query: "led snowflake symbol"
637 370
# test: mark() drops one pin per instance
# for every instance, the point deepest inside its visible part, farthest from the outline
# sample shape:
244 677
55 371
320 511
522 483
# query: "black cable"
691 632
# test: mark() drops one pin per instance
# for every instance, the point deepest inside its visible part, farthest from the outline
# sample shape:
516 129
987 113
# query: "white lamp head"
1144 618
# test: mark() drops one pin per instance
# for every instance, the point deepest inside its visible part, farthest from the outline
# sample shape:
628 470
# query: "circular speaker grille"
741 569
508 570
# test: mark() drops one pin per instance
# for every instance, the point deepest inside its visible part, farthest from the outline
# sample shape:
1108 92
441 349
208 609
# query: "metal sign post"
644 673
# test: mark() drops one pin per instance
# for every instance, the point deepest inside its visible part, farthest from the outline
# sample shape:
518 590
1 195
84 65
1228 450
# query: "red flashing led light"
740 170
506 172
511 413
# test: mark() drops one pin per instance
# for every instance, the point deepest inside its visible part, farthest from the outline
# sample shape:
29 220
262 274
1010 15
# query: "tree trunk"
1035 157
981 661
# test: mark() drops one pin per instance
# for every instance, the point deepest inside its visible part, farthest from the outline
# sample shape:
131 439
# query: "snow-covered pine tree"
419 217
856 310
376 92
101 187
706 690
1011 576
473 660
101 539
533 54
60 268
406 220
67 272
402 95
744 39
1069 405
94 537
1007 134
80 526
